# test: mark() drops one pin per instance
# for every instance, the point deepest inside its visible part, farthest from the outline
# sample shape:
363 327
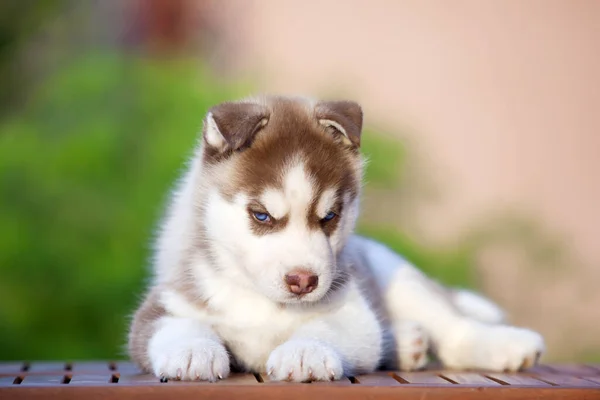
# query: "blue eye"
330 215
261 217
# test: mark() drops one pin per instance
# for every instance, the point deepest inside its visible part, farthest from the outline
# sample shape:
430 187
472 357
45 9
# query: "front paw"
198 359
496 348
303 361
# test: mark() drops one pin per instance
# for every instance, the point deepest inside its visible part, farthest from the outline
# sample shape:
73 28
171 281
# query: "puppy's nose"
301 281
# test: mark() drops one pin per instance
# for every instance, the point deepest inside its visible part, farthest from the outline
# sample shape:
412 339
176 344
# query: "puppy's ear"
343 117
231 126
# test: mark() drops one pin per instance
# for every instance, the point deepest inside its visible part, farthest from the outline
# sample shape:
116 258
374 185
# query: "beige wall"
504 97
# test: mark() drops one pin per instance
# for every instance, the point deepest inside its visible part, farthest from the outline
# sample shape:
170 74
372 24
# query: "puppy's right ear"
231 126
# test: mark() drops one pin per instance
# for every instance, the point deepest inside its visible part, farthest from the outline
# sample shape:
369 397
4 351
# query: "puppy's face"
282 180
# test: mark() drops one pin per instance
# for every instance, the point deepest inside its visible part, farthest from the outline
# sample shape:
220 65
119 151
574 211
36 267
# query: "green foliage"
84 171
85 168
385 158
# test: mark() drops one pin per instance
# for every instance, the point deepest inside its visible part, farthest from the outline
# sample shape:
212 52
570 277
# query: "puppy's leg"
460 341
412 343
476 306
174 347
344 342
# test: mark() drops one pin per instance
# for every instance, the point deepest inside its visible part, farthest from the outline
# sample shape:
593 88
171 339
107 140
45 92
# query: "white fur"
461 341
213 135
185 348
478 307
275 203
326 202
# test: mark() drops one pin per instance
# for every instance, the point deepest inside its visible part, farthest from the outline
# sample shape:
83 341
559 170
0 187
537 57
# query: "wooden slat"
469 378
235 379
138 379
101 367
564 380
518 380
90 379
43 380
11 368
295 391
595 379
267 381
345 381
423 378
539 369
377 379
7 380
573 369
47 367
125 367
595 367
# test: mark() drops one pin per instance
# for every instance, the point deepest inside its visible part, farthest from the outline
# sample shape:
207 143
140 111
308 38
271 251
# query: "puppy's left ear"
231 126
344 117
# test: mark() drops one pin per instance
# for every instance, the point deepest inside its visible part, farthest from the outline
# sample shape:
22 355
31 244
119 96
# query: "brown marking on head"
236 125
346 115
325 137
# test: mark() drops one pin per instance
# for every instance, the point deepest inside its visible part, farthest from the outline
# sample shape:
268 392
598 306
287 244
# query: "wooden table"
121 380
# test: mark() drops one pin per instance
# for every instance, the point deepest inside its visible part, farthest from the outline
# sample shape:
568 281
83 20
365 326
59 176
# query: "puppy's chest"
252 328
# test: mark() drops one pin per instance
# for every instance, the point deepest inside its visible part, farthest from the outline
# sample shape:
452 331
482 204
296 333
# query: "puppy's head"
281 182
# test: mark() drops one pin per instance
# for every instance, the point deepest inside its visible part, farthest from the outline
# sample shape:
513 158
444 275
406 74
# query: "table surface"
124 380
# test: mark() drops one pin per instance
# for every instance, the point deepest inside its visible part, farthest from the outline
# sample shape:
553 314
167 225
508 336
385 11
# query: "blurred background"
482 125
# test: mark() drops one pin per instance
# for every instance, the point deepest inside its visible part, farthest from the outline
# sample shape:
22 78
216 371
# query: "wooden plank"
565 380
595 379
517 380
538 369
377 379
101 367
574 370
595 367
42 380
91 379
345 381
135 379
296 391
46 367
125 367
11 368
423 378
469 378
7 380
235 379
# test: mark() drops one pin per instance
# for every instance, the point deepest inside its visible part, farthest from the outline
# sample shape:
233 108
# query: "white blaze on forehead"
294 198
298 190
326 202
275 203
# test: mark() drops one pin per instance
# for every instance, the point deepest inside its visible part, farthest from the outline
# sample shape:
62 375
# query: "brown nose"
300 281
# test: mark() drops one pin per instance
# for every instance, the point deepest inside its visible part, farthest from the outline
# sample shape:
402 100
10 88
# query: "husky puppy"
256 267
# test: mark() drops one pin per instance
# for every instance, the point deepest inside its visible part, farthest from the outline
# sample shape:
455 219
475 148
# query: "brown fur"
142 329
292 131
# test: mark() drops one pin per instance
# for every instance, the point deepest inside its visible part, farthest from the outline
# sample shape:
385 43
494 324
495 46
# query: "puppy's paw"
496 348
411 345
198 359
304 360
